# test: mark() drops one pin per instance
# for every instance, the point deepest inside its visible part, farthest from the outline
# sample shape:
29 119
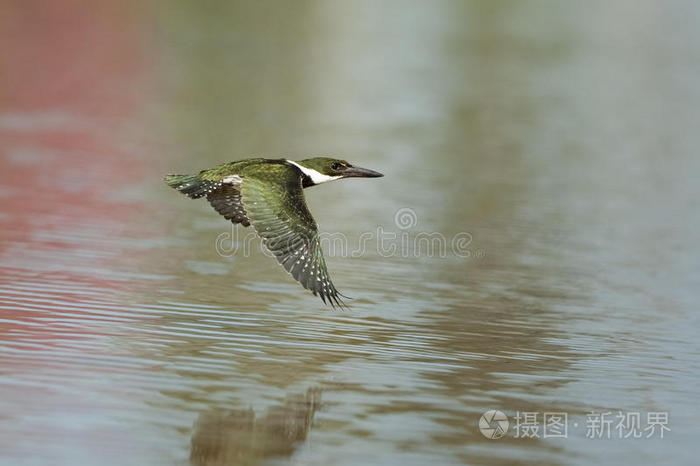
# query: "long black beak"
360 173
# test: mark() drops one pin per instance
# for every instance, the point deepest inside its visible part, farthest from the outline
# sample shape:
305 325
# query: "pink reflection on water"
72 78
86 57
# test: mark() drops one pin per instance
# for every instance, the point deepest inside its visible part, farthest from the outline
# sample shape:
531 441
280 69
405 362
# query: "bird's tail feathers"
191 185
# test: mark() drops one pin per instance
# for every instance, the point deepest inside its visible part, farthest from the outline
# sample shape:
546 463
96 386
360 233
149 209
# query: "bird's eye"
335 166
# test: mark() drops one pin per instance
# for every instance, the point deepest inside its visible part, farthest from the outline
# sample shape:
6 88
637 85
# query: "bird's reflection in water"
239 438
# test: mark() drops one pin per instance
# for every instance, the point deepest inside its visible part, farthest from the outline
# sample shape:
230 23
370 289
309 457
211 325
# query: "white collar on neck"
316 176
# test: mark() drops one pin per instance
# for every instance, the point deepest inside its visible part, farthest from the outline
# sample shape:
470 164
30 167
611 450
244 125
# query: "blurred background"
562 137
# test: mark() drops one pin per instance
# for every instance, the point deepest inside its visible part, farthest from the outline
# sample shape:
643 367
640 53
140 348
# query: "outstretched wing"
222 192
275 205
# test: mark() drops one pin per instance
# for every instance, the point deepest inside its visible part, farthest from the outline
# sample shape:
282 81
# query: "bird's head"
321 169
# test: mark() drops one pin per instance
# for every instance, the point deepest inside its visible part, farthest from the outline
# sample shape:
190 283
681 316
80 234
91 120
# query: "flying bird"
269 195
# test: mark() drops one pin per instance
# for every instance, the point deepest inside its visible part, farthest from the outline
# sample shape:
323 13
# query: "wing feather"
227 201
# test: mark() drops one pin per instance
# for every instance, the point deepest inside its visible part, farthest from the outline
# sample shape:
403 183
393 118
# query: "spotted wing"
227 201
275 205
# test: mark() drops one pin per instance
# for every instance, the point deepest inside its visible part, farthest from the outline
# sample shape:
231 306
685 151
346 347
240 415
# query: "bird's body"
268 194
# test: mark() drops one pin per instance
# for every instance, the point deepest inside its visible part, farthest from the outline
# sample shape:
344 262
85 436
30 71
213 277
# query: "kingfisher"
269 195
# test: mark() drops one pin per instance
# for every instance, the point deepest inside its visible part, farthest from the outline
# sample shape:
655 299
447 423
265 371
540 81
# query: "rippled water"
549 148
